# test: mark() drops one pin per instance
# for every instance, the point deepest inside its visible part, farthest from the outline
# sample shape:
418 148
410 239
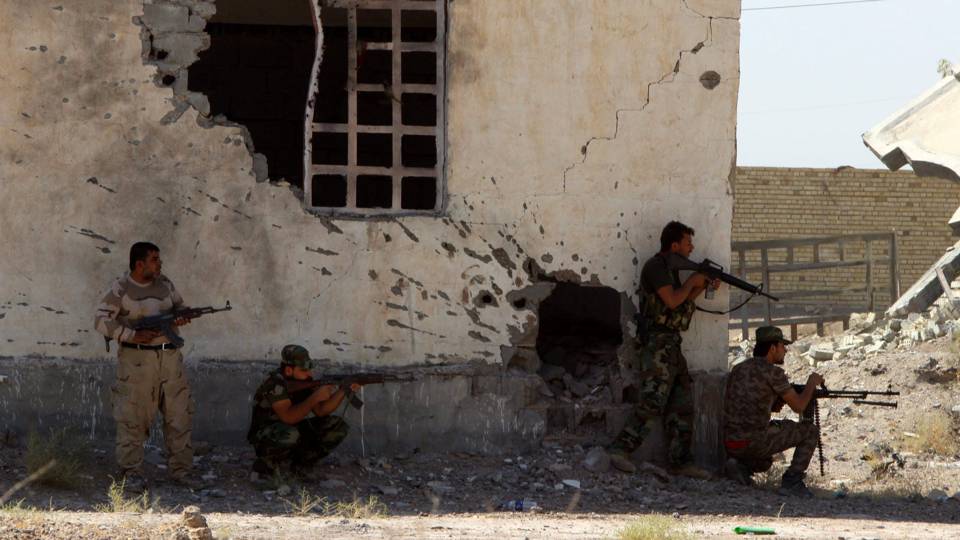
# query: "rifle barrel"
891 404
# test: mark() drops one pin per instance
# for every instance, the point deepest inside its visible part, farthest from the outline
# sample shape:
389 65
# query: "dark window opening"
257 72
374 191
329 190
418 193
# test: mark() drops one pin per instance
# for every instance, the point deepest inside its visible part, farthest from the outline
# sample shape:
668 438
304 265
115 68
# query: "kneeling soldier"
296 429
755 387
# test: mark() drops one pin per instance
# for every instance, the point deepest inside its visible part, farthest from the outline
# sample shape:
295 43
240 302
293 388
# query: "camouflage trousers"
666 395
757 455
300 445
148 381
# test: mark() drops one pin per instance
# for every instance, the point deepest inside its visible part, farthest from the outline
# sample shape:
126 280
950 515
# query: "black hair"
673 232
760 349
140 251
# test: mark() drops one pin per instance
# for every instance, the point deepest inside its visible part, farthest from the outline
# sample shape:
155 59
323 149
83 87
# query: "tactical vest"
661 318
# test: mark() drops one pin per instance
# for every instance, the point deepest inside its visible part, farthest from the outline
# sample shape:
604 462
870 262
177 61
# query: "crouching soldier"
294 430
755 387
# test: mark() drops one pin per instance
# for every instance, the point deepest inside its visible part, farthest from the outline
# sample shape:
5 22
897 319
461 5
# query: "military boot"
792 484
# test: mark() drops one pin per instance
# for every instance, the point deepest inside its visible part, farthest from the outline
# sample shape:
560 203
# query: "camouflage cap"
771 334
296 356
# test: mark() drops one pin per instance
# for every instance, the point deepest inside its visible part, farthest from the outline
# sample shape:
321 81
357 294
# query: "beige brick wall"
773 203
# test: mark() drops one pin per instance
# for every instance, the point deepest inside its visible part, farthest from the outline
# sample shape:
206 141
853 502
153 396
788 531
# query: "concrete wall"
575 131
772 203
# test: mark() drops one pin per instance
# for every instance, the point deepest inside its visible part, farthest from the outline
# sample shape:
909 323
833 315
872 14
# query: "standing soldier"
150 374
297 429
666 308
754 388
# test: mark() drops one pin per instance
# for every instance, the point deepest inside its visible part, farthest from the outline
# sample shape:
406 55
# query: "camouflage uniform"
749 435
664 382
300 445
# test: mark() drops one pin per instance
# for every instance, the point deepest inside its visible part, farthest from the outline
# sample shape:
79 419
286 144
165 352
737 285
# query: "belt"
160 347
733 444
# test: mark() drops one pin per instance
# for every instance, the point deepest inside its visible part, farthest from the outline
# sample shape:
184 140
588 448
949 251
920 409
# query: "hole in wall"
578 337
256 72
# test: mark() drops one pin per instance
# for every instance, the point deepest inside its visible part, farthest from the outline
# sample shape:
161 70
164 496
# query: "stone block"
821 352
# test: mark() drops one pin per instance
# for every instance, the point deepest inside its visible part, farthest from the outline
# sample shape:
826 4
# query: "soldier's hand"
815 379
355 387
180 321
145 336
323 393
714 283
697 280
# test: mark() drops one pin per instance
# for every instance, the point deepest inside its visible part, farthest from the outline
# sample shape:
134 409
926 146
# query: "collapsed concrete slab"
927 289
924 134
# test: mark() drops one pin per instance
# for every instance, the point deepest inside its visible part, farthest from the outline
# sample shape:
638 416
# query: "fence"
818 280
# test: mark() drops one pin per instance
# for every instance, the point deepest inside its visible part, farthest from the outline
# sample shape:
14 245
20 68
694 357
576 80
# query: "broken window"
256 73
378 118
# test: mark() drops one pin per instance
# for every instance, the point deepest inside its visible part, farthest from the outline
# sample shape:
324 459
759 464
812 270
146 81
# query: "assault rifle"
343 382
812 413
678 262
164 323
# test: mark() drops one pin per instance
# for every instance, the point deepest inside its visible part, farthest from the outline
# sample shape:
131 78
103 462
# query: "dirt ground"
877 484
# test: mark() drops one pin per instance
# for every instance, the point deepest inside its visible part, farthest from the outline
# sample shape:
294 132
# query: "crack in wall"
584 150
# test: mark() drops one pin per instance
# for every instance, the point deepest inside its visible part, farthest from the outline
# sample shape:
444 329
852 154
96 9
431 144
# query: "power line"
839 3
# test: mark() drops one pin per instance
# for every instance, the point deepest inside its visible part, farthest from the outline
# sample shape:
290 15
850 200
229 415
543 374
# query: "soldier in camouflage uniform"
754 388
664 383
150 374
294 429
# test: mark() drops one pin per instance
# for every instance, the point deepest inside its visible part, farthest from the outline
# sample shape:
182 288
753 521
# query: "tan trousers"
148 381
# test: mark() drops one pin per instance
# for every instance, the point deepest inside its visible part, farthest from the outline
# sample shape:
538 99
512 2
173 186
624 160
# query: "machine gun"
715 271
343 382
164 323
812 413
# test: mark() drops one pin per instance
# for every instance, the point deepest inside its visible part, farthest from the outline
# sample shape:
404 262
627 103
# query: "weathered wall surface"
575 131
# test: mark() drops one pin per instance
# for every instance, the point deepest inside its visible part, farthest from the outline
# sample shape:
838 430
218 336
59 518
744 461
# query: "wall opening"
256 73
579 334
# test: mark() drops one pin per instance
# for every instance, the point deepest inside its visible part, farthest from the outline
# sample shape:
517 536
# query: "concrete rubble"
869 335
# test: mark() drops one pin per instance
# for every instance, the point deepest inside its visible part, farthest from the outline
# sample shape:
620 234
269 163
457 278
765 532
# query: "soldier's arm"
673 296
326 408
799 402
105 319
292 414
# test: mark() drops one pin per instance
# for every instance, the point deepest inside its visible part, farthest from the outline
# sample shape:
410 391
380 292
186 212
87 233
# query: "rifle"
715 271
164 323
812 413
343 382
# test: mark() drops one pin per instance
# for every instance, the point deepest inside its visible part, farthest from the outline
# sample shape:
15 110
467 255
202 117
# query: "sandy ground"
866 492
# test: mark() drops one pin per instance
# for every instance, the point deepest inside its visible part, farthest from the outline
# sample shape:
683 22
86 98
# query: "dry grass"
68 453
117 500
305 503
936 433
356 509
654 527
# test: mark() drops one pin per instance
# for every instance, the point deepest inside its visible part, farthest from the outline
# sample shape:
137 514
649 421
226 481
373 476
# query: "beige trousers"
148 381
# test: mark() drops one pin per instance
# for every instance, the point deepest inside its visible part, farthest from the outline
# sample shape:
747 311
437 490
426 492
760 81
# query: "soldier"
150 372
666 308
296 430
754 388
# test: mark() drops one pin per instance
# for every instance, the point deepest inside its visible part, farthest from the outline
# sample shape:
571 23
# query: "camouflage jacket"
272 390
752 387
659 317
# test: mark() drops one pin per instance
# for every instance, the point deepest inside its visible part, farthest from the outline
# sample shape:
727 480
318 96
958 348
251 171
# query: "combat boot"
133 481
792 484
622 463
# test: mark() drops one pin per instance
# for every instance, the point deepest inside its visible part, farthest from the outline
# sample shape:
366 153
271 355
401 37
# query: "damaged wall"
574 132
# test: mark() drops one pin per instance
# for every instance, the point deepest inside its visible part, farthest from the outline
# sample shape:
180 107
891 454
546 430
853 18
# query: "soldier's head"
145 260
771 344
296 362
677 238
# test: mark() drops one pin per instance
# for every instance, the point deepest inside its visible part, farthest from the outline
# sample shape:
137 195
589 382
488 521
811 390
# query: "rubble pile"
869 335
582 382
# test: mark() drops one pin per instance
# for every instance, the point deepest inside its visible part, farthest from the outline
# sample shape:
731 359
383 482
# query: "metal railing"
818 279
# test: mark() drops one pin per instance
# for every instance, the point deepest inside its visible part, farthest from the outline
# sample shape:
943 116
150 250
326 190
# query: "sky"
814 79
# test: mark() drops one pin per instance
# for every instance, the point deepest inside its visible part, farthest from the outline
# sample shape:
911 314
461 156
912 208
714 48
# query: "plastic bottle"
519 505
